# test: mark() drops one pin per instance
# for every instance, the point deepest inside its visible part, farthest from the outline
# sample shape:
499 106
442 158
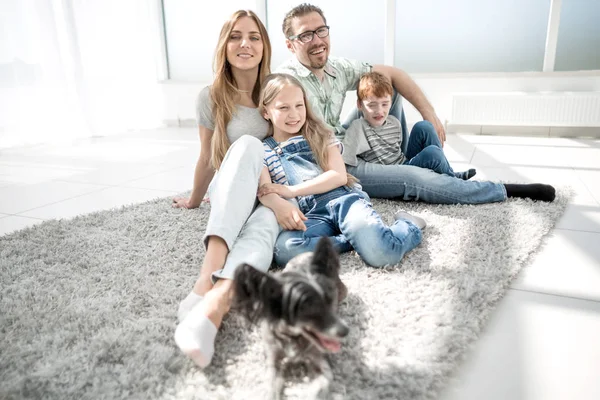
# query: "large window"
429 36
471 35
192 29
578 45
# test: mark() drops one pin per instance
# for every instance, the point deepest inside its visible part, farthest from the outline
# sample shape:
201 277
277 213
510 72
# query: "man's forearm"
407 88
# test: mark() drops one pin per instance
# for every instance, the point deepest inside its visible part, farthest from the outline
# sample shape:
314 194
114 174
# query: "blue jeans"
344 215
418 181
408 182
425 150
350 221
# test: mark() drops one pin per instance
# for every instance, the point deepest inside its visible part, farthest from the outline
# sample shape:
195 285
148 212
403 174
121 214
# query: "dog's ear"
325 258
257 294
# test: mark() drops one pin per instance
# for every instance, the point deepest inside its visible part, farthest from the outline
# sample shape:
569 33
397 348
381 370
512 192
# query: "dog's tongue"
330 344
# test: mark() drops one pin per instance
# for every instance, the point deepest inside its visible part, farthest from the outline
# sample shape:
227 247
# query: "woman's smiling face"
245 45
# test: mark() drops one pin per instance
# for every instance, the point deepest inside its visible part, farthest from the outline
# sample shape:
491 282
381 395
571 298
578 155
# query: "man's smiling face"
313 54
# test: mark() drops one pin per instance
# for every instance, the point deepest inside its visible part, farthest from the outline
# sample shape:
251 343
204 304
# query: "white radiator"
574 109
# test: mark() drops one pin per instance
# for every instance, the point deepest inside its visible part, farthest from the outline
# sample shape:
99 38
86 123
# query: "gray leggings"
249 228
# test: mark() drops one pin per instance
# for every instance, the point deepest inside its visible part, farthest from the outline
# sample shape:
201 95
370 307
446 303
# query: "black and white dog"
297 310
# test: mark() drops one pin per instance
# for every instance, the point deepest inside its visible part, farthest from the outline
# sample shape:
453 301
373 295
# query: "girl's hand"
284 191
290 217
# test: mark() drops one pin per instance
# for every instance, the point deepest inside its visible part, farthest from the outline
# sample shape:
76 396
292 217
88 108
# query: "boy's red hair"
374 84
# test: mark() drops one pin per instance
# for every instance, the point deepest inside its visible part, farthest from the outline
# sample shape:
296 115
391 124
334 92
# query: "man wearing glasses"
327 80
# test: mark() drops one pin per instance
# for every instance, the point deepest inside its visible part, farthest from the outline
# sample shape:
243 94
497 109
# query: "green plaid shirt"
327 97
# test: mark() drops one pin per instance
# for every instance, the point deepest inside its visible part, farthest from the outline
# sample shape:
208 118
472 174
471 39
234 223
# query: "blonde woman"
239 230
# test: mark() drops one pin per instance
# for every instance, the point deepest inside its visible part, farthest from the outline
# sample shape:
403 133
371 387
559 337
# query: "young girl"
303 161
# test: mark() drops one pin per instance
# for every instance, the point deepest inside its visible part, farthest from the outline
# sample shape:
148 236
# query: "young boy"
377 137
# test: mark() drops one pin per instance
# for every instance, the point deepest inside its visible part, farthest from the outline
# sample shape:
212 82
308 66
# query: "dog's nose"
342 329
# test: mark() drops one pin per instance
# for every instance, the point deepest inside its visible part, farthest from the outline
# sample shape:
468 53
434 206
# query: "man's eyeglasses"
308 36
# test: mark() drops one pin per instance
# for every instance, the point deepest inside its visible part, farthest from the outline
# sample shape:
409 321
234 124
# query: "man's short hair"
296 12
374 84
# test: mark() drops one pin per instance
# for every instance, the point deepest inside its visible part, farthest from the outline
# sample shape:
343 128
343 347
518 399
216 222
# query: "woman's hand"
284 191
181 202
184 202
290 217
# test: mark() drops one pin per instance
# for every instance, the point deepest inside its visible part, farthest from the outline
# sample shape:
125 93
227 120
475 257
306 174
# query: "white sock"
418 221
187 304
195 336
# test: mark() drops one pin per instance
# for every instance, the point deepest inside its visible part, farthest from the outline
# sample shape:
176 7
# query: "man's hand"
437 124
284 191
290 217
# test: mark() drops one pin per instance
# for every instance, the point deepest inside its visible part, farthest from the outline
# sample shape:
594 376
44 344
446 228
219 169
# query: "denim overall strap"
305 203
284 154
299 165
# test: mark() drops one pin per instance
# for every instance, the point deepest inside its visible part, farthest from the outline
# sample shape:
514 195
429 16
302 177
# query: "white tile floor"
541 343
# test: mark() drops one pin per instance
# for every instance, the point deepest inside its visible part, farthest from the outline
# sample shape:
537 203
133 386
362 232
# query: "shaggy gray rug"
88 305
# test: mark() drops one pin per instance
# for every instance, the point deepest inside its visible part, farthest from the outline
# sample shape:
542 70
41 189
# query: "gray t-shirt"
245 120
380 145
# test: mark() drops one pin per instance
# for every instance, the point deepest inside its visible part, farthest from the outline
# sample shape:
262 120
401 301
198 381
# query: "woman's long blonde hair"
314 130
224 88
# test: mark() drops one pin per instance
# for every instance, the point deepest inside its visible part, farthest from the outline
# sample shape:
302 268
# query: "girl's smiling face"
287 112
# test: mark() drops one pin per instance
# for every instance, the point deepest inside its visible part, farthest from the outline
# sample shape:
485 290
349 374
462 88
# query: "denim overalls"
344 214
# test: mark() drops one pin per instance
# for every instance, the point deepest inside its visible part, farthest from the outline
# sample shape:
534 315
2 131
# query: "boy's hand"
284 191
290 217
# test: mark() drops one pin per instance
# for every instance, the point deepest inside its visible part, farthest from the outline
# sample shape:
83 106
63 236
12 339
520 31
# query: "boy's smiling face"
375 109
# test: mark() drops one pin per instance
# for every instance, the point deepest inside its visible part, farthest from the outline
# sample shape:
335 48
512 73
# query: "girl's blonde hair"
224 88
314 130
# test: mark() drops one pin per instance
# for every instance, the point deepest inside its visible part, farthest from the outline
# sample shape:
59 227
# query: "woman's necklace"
242 91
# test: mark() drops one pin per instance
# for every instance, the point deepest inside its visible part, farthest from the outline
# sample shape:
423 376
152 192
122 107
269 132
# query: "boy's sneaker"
418 221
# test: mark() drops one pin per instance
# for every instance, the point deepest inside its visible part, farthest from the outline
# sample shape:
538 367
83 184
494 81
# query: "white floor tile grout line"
19 214
558 295
597 200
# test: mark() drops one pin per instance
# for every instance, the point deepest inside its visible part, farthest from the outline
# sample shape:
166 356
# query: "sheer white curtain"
77 68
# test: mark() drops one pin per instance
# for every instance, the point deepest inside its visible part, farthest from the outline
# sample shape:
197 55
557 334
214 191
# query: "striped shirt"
380 145
327 97
273 163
